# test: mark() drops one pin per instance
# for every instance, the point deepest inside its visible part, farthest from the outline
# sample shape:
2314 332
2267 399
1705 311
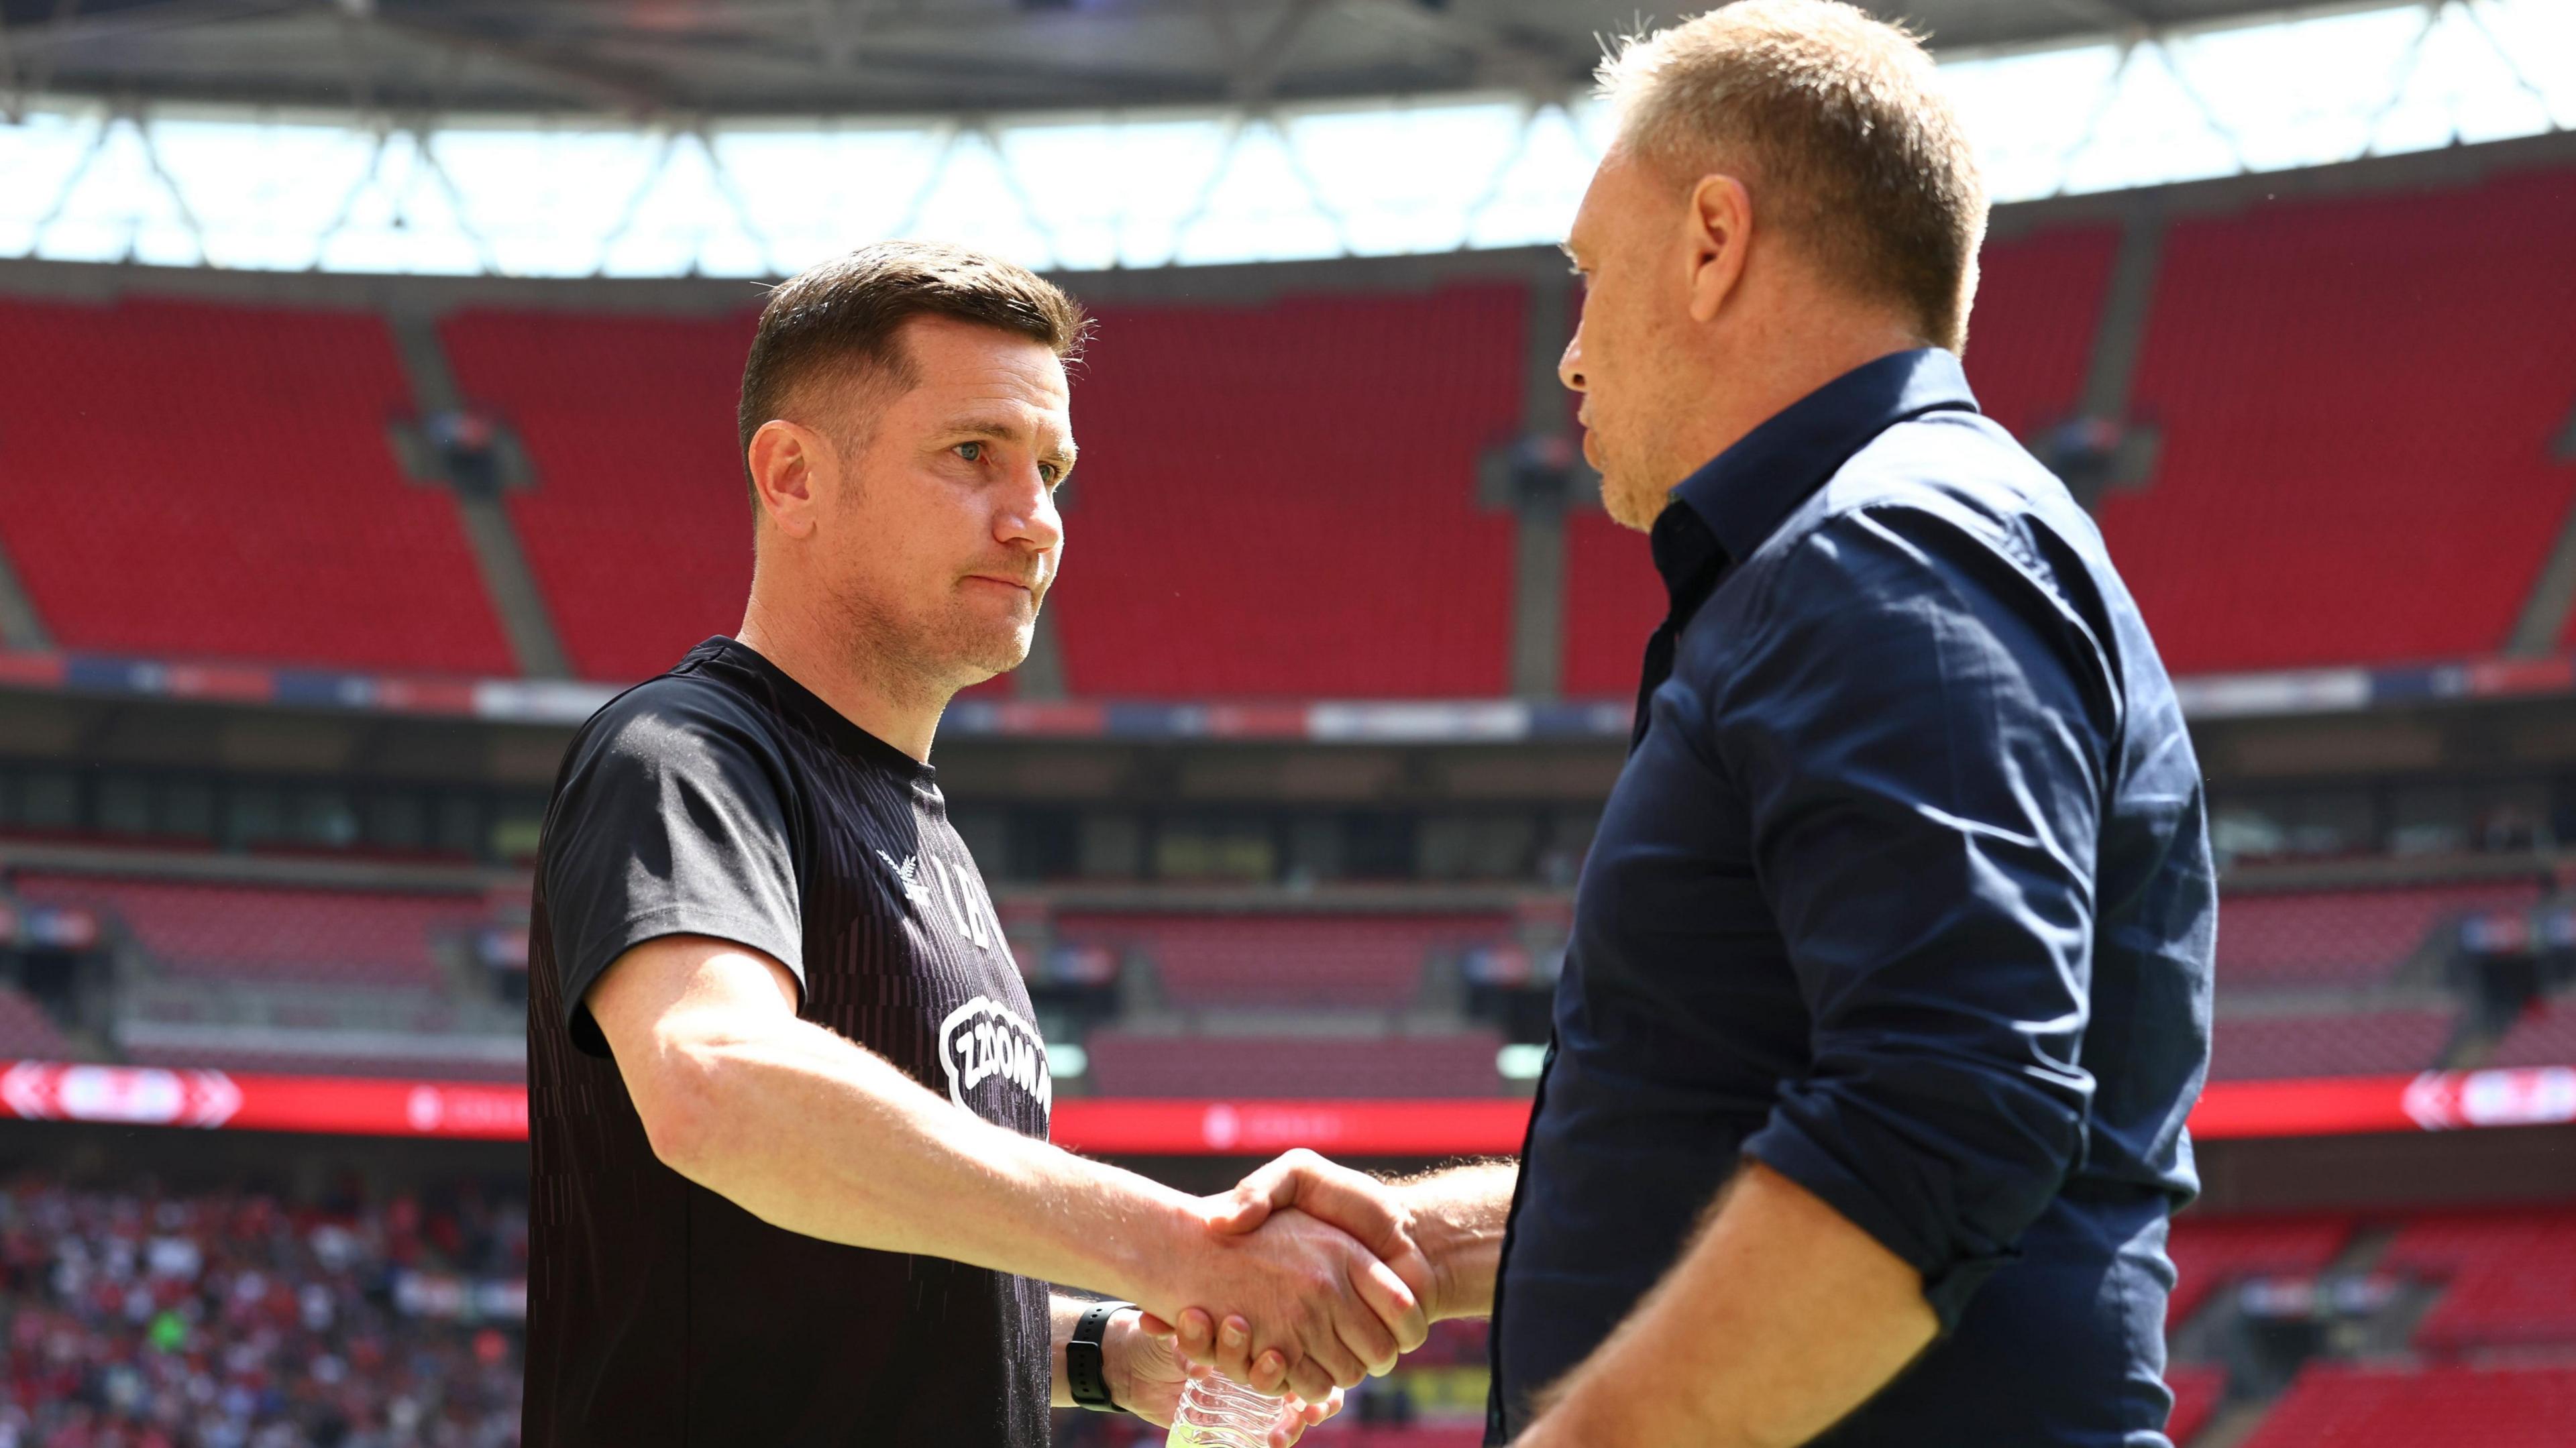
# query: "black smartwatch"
1085 1371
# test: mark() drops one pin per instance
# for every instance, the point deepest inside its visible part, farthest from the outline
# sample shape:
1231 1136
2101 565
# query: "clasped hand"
1308 1279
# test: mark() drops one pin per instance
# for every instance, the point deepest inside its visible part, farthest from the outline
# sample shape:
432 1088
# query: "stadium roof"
851 57
566 185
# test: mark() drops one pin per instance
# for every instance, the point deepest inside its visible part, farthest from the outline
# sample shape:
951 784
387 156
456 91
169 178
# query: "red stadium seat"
2511 1277
2030 334
2210 1252
274 933
638 528
2544 1036
27 1033
2357 396
1279 500
2339 1406
1125 1063
2332 1043
198 481
2343 936
2197 1391
1286 960
311 1063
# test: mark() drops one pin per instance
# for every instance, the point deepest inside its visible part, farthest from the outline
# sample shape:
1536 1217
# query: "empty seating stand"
27 1033
2197 1390
639 524
2509 1278
1279 499
2357 396
2030 335
394 1065
1292 1067
273 933
2334 1405
195 481
1350 961
2343 937
2544 1036
2328 1043
2212 1252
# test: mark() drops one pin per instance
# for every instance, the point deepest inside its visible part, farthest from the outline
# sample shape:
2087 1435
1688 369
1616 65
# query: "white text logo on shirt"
983 1039
956 886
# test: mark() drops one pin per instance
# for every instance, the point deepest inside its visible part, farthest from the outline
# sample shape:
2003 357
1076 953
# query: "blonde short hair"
1838 128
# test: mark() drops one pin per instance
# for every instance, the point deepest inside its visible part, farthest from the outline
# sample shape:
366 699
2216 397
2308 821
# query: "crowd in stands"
138 1317
145 1319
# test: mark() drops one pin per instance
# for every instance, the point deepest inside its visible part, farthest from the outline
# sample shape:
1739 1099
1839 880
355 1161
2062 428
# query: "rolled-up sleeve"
1922 733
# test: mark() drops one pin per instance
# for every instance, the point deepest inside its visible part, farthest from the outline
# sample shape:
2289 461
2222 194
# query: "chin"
993 656
1631 504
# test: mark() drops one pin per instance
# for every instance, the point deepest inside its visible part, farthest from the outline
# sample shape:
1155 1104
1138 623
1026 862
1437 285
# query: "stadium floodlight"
189 185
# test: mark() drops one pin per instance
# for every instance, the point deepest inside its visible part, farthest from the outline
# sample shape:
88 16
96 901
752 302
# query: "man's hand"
1442 1234
1373 1212
1314 1303
1146 1376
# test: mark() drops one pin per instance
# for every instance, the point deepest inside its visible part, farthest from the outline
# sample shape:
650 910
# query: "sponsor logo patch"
982 1040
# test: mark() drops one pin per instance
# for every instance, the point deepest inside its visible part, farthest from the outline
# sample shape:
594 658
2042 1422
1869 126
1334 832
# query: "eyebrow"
1062 456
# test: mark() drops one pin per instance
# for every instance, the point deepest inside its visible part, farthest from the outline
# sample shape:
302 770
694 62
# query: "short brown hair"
1838 127
838 322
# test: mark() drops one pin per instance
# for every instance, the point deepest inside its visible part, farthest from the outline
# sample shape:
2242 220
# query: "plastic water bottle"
1218 1412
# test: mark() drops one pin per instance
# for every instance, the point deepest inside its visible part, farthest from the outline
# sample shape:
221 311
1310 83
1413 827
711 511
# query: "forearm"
1458 1217
1780 1319
812 1133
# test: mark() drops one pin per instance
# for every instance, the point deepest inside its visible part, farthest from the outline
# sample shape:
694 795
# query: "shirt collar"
1744 492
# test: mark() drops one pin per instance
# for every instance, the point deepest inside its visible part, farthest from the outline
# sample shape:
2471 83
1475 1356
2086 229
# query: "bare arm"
1779 1319
812 1133
1457 1218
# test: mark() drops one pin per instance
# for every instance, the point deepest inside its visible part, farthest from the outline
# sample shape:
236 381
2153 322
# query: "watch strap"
1086 1370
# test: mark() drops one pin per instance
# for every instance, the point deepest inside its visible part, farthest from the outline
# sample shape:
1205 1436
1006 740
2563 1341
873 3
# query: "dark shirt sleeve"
670 819
1922 732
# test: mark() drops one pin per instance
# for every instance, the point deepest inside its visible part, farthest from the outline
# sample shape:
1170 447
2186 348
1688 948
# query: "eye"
972 452
1051 473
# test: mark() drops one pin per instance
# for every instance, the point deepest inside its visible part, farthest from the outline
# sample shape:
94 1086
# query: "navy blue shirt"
1905 892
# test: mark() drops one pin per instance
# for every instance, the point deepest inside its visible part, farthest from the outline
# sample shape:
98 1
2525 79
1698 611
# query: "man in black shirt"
788 1108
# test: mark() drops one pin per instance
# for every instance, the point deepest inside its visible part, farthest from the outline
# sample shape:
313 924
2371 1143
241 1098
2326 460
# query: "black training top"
724 799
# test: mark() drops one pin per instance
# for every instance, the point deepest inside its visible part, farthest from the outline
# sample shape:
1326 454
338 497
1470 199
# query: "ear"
784 459
1719 222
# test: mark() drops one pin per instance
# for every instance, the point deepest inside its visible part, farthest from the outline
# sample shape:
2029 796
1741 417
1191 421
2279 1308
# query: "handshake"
1303 1280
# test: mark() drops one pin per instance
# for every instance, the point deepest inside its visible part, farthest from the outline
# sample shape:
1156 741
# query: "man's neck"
794 640
1796 361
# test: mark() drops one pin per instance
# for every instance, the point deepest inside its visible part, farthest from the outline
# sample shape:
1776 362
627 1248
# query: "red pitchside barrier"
351 1106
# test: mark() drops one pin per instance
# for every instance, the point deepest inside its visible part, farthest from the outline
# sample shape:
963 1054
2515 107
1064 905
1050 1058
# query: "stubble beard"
1632 497
928 659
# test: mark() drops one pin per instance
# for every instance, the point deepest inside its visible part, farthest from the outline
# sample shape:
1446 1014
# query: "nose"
1028 518
1569 368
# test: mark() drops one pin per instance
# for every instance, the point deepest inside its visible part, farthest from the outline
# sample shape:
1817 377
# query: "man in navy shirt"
1888 992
